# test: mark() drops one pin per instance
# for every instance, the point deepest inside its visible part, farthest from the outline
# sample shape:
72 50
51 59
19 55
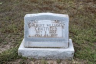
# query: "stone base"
47 53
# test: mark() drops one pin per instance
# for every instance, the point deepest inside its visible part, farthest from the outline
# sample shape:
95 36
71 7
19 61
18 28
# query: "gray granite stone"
46 36
46 29
47 53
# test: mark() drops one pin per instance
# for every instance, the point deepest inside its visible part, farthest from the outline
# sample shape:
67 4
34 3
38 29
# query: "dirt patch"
4 48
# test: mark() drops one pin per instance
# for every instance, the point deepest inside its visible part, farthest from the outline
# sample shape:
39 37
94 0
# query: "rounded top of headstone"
52 14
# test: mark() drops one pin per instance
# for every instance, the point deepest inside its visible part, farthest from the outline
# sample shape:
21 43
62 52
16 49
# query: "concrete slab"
47 53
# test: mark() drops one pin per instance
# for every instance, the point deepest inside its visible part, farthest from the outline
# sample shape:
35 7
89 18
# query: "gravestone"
46 35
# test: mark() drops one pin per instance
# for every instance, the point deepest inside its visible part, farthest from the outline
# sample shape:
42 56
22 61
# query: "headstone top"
47 28
53 14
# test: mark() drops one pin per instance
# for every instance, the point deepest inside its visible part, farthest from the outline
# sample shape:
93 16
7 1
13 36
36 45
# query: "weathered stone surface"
46 36
46 29
47 53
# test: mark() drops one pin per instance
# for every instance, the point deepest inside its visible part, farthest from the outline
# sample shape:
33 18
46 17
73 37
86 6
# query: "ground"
82 28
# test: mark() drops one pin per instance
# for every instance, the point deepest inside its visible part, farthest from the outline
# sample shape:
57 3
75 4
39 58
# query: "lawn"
82 28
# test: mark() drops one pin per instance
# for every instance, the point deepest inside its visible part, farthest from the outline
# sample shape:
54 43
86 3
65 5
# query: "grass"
82 28
8 55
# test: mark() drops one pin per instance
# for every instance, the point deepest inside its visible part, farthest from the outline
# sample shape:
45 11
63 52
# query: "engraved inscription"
45 28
